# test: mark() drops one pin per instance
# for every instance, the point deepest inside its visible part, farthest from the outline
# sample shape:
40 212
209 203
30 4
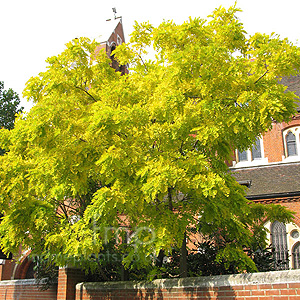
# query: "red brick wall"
67 280
273 140
6 269
283 285
295 207
291 202
273 144
25 289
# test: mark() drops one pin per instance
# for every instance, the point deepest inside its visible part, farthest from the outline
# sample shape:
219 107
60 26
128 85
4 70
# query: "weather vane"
115 14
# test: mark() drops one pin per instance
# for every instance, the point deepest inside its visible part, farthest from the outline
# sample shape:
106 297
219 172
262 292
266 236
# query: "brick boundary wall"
68 277
279 285
25 289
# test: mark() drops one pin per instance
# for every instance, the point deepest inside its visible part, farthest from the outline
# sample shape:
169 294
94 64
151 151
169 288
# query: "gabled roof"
113 28
270 180
108 29
113 37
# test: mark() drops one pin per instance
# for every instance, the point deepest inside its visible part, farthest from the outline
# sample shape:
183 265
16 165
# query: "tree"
9 108
147 149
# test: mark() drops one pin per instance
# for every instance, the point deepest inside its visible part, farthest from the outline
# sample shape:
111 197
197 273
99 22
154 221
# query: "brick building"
271 171
116 37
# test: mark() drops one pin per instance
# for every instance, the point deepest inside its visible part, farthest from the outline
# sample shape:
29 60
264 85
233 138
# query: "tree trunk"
170 203
160 258
124 272
183 258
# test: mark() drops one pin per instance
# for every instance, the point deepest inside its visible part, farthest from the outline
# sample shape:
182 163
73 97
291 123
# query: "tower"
115 38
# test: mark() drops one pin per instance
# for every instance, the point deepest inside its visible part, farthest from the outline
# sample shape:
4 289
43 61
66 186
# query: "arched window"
256 149
253 156
279 243
112 48
243 156
296 256
291 145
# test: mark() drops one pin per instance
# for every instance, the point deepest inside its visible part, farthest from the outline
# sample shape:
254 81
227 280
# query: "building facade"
271 171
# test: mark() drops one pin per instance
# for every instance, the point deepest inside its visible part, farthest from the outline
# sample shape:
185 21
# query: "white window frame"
296 131
251 162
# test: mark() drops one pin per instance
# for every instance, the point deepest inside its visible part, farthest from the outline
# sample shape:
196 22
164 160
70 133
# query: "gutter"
273 195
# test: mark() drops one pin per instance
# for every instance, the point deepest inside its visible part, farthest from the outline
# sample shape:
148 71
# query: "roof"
270 180
110 28
293 84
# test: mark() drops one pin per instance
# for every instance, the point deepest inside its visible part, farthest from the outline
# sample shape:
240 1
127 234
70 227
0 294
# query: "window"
291 143
119 40
296 256
243 156
256 149
279 243
252 156
255 152
285 240
112 48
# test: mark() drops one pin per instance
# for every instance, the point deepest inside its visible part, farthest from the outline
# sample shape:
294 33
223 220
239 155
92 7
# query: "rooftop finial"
115 15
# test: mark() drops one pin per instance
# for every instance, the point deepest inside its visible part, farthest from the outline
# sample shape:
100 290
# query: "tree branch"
77 87
261 77
170 204
195 144
143 62
194 97
63 208
181 150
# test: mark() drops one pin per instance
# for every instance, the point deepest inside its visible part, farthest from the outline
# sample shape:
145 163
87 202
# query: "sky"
33 30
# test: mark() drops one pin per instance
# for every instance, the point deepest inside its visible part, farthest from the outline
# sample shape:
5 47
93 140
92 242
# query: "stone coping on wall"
202 281
18 282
